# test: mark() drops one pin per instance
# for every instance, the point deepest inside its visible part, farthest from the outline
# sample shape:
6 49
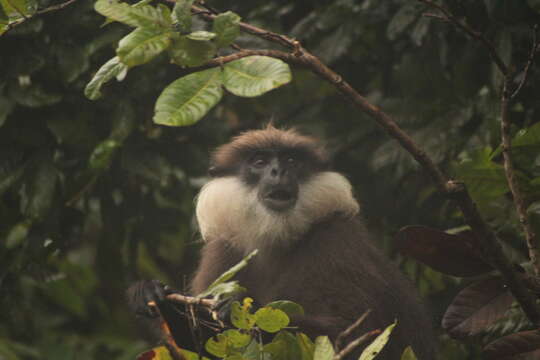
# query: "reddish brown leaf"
523 345
455 255
477 307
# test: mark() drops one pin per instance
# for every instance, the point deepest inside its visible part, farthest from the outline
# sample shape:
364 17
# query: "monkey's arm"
217 256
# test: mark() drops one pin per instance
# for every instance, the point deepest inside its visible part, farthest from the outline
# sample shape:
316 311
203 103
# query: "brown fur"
227 157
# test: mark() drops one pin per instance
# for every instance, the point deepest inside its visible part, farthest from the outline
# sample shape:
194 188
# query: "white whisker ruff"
228 209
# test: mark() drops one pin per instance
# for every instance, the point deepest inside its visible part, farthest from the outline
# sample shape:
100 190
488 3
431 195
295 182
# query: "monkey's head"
269 186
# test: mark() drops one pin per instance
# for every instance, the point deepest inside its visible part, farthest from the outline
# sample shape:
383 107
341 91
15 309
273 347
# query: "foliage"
96 194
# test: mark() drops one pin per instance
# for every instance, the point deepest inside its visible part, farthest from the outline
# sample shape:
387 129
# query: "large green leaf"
255 75
136 16
142 45
109 70
188 99
226 27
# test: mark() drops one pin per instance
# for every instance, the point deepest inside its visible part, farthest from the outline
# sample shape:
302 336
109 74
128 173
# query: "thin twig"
191 300
24 19
530 61
510 172
355 343
491 245
449 17
341 337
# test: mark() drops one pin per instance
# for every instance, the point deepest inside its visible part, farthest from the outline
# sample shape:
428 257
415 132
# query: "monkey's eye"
259 161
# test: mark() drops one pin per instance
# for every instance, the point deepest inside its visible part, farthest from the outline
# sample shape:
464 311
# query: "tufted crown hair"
227 158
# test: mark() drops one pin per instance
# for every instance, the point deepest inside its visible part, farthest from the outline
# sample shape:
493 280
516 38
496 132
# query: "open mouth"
280 199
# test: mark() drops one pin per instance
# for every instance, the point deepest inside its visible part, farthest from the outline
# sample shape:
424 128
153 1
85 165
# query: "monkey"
274 190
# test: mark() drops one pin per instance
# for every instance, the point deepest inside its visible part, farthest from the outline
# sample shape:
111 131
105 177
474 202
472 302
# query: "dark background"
80 219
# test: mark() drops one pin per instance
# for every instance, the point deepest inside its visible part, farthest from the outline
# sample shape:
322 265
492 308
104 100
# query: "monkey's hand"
143 293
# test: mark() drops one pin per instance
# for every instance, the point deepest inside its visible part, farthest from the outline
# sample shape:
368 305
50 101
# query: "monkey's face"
276 176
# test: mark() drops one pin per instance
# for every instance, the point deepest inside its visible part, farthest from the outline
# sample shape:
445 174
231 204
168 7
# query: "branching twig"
347 332
355 343
449 17
492 249
13 24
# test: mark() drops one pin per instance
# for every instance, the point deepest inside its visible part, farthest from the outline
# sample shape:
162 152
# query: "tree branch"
449 17
492 249
510 173
355 343
24 19
347 332
530 61
191 300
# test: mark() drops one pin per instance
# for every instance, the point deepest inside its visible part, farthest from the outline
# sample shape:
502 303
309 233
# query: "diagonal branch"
491 245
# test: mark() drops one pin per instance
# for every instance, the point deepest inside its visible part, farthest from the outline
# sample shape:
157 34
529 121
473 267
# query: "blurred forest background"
94 195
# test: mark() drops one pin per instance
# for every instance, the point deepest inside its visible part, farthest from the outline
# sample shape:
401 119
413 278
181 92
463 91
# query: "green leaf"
307 347
142 45
226 27
271 320
408 354
3 16
227 275
288 307
201 35
182 15
109 70
17 8
102 156
323 349
237 339
39 189
255 75
225 290
17 234
485 179
188 99
284 346
241 318
188 52
135 16
228 343
373 349
217 346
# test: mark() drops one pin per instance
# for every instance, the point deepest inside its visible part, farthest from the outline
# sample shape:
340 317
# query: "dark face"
277 175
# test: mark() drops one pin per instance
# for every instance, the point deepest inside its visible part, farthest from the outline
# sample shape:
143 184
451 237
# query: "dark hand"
145 291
